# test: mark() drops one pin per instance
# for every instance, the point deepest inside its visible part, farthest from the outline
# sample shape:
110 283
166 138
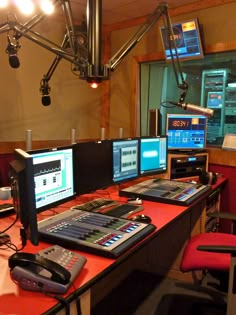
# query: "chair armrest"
218 249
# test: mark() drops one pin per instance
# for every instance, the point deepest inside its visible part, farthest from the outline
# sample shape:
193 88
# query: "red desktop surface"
96 266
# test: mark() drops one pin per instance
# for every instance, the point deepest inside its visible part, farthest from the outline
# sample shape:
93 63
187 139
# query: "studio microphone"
46 100
194 108
45 90
12 50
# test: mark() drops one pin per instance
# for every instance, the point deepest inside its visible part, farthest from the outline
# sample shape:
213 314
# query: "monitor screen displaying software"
186 35
53 176
125 159
186 131
153 155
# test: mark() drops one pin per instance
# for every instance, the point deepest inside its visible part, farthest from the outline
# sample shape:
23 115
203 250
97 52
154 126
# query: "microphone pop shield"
14 61
46 100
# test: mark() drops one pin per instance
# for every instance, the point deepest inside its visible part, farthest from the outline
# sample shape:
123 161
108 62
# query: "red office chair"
214 251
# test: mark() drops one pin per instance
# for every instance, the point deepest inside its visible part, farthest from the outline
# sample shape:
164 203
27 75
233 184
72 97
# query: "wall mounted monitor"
53 176
23 193
153 155
93 166
187 39
125 156
186 132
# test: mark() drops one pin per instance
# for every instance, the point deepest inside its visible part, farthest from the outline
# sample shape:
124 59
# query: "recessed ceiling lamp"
28 7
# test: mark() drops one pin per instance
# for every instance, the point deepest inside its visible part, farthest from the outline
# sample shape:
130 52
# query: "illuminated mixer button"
107 244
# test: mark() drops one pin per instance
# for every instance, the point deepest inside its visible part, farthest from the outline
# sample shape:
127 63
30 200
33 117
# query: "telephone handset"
30 261
50 270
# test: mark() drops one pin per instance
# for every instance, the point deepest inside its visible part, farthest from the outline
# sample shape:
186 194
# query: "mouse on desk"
142 218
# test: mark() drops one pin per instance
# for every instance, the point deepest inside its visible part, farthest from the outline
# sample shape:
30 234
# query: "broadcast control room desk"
160 253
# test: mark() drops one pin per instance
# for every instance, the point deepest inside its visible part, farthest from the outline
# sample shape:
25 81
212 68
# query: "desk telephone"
50 270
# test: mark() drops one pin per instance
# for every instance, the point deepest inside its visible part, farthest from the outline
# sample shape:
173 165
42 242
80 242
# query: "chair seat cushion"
194 259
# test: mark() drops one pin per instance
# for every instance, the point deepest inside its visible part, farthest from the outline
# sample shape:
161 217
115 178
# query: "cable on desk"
78 306
14 222
64 303
8 245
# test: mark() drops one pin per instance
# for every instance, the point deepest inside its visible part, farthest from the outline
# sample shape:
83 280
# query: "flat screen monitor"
53 170
125 156
186 132
93 166
153 155
22 184
187 40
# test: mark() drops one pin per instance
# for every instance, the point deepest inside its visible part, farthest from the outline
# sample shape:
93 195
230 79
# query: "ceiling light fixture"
28 7
3 3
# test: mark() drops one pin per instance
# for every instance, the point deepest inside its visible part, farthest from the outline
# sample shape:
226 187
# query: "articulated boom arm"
161 10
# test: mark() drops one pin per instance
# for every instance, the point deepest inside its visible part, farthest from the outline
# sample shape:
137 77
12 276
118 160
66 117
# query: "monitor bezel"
56 149
183 148
184 56
23 194
154 171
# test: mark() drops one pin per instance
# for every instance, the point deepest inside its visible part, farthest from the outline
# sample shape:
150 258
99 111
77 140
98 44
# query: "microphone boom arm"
131 43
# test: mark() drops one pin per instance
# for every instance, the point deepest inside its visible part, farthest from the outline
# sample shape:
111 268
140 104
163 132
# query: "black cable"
14 222
78 306
64 303
9 245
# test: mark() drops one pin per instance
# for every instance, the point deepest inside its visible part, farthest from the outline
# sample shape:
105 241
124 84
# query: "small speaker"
103 133
73 136
154 122
208 178
28 140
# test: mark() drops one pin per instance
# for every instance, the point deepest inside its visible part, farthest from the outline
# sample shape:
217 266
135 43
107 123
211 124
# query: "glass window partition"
211 84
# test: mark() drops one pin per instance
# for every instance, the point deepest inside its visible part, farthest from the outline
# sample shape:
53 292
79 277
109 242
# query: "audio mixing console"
166 191
93 232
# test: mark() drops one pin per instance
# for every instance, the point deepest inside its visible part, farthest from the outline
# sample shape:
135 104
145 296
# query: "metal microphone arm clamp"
184 88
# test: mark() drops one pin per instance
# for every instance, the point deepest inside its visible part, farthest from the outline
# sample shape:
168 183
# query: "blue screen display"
186 131
153 155
53 176
187 40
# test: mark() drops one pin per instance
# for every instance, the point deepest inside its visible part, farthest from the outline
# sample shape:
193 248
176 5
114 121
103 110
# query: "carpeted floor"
143 293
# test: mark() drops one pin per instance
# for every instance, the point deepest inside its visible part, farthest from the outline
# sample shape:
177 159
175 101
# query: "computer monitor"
125 156
186 132
187 39
23 194
153 155
93 166
53 170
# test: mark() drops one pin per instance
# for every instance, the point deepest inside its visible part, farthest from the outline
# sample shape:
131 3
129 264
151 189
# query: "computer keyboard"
123 210
5 207
95 205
